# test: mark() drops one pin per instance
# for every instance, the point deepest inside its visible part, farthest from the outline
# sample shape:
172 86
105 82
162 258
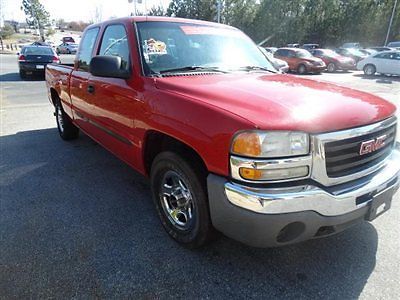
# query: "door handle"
90 89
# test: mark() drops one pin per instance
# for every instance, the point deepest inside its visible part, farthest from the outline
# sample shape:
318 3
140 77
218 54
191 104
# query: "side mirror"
107 66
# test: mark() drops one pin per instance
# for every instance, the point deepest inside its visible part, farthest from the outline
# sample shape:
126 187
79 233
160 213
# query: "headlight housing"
270 144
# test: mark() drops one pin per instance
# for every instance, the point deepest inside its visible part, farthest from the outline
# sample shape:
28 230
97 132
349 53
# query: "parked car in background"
300 60
368 51
310 46
33 60
278 64
40 43
270 49
293 45
351 45
394 45
67 48
352 53
387 62
333 60
379 49
68 39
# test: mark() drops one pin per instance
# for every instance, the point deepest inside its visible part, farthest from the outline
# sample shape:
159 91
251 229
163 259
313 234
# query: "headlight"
268 144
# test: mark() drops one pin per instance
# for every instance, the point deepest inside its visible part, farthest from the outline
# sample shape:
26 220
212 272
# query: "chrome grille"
343 157
336 156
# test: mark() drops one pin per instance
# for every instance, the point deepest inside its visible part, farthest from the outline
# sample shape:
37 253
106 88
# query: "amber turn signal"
250 174
247 144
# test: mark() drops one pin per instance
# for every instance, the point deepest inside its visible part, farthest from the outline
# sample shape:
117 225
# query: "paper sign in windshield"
155 47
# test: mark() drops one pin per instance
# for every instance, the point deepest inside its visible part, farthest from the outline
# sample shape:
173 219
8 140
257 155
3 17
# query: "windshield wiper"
192 68
256 68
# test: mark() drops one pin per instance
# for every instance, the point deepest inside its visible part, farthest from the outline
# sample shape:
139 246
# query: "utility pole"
134 6
219 11
390 23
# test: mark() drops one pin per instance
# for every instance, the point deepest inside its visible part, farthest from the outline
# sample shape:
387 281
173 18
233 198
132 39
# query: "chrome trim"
319 172
237 162
314 198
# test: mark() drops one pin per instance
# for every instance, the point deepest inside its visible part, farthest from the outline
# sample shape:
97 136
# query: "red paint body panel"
204 112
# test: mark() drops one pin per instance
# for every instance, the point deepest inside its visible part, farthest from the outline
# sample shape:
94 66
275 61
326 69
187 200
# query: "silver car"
67 48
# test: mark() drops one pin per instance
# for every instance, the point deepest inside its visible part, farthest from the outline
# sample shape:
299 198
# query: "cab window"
86 48
115 43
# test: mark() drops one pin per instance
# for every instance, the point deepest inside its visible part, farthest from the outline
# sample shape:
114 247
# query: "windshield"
168 46
356 52
37 51
394 44
303 54
329 53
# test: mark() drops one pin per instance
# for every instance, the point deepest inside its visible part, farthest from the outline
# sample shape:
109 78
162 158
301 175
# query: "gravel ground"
75 222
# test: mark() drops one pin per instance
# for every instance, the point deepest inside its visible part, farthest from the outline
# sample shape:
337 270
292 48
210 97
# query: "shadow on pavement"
12 77
77 222
380 78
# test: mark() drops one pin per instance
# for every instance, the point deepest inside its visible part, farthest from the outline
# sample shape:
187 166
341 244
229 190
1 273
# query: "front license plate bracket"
380 203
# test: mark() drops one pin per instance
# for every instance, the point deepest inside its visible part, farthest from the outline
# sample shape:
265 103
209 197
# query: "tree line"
326 22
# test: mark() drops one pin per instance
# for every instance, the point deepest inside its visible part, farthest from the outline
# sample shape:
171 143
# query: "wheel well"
369 64
301 64
54 96
157 142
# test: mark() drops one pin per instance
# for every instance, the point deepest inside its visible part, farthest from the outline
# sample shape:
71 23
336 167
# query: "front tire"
331 67
302 69
180 197
369 70
66 129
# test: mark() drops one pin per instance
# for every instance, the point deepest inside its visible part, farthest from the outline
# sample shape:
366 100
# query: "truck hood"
282 102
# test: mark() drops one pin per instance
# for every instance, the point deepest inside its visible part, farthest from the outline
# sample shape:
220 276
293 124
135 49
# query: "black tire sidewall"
198 233
70 131
22 74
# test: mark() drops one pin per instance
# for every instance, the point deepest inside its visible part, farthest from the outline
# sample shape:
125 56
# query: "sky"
78 10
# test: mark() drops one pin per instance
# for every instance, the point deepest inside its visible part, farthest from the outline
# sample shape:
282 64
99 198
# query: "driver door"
115 99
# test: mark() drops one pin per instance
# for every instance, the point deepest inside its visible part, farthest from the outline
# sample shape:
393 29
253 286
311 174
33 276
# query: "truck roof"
160 19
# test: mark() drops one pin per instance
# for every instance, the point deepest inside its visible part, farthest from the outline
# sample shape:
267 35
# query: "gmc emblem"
372 145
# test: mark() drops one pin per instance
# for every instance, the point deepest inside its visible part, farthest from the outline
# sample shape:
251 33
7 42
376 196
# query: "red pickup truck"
230 144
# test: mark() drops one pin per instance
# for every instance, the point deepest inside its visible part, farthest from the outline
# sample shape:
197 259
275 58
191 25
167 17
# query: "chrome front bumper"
331 201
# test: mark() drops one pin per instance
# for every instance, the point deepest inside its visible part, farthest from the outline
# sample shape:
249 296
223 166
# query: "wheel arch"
54 96
156 142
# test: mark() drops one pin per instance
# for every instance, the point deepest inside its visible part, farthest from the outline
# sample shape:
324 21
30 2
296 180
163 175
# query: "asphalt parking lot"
75 222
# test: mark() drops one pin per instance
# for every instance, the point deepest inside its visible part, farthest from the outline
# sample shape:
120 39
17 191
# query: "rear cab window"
86 48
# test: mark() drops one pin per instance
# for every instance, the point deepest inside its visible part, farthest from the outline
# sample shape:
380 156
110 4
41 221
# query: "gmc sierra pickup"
230 144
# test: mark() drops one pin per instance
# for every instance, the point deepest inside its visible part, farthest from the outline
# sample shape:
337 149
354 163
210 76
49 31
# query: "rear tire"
22 74
301 69
369 70
66 129
180 197
331 67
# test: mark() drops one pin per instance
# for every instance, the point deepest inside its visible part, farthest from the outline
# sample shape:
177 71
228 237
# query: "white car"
387 62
